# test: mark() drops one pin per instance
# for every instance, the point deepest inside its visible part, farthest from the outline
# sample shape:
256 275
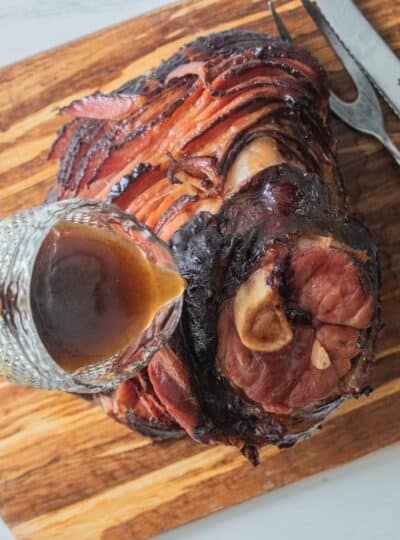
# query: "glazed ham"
279 313
224 151
178 141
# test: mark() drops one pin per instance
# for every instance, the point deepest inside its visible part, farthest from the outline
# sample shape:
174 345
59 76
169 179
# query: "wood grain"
67 471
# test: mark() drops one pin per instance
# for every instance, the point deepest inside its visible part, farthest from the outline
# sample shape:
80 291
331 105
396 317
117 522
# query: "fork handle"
389 145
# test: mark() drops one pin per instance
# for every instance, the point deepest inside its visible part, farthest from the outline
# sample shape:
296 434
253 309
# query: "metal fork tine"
363 114
283 31
358 76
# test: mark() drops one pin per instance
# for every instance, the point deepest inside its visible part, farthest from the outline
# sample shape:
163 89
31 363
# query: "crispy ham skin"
309 338
224 151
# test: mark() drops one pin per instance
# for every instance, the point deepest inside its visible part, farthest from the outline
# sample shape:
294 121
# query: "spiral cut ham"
224 151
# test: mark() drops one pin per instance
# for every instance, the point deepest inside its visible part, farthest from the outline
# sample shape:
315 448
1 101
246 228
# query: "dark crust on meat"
226 44
157 432
120 187
216 254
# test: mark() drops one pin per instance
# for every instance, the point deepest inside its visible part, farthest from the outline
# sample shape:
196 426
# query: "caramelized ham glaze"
224 151
280 311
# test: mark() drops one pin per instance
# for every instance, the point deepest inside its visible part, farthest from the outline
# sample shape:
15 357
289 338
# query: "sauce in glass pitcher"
93 293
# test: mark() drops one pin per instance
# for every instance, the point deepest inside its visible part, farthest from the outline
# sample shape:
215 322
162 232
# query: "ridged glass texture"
23 357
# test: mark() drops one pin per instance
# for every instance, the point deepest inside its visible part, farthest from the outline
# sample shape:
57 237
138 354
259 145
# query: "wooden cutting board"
67 471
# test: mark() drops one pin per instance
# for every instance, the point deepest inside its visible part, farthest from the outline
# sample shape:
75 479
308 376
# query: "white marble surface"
358 501
31 26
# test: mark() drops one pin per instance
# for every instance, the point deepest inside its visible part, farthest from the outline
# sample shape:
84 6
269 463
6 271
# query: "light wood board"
67 471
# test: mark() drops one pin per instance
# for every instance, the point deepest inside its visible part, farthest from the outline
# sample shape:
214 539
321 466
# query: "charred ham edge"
171 384
269 228
135 404
104 106
64 136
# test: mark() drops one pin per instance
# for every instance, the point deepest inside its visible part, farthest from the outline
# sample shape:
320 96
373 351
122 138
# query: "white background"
359 501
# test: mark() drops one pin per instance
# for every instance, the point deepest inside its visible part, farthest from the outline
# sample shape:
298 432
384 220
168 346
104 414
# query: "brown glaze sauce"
93 293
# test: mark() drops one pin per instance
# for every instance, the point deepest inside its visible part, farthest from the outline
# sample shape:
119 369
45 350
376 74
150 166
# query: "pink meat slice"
136 397
171 383
327 284
265 378
104 106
